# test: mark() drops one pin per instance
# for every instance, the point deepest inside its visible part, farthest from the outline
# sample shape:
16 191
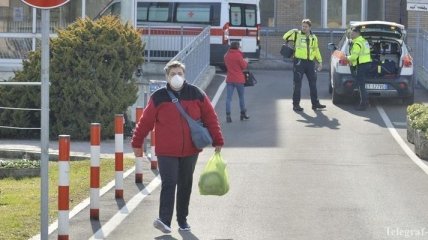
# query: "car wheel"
409 100
336 98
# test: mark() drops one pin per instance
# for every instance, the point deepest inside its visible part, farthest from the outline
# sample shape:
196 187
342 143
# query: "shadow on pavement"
165 237
96 225
319 121
188 235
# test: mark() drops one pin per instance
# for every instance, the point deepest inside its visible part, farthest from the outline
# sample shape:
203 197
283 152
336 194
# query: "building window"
338 13
353 11
375 10
334 13
267 13
313 12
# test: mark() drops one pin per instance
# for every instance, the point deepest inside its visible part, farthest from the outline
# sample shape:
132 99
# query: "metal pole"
44 134
83 8
418 26
34 29
126 7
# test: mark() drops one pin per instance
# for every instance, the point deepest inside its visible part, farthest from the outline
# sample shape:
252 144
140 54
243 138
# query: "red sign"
45 4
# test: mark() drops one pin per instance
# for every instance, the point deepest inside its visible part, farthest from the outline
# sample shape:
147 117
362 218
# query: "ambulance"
164 21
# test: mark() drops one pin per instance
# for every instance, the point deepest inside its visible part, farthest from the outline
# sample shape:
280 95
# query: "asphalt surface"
330 174
11 148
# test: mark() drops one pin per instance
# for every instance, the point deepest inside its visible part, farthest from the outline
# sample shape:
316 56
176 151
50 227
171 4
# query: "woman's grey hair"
174 64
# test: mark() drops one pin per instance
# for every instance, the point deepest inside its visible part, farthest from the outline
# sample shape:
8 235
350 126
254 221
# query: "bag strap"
295 37
178 105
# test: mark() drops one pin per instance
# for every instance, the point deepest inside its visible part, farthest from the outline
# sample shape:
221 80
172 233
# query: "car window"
382 30
342 40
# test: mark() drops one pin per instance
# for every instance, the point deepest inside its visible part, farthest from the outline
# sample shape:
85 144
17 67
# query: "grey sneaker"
184 227
161 226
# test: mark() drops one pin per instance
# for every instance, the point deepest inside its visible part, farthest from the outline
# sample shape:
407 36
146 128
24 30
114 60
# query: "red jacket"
172 133
235 64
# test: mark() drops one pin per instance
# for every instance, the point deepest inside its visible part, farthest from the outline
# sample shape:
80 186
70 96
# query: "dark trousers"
304 67
360 73
175 172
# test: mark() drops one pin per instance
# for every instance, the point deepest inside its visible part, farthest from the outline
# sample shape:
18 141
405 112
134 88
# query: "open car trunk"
386 54
385 39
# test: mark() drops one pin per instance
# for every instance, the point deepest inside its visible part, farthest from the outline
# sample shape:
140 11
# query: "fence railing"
418 43
196 55
20 108
15 46
163 42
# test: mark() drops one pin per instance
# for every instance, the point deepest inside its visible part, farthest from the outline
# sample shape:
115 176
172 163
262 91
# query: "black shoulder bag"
287 51
250 80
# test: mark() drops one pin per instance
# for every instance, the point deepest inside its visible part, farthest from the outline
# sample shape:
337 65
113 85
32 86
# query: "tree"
91 79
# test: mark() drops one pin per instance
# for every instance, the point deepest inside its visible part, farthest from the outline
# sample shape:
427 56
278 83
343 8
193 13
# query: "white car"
391 72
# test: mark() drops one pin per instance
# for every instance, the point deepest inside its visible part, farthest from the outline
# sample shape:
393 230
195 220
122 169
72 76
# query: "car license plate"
376 86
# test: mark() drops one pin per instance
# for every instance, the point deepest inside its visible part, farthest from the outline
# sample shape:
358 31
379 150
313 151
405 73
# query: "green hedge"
91 79
418 117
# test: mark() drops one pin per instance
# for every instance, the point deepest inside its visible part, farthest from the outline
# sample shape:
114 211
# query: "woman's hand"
218 149
138 152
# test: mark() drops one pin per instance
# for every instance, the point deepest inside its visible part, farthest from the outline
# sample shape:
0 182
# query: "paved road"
332 174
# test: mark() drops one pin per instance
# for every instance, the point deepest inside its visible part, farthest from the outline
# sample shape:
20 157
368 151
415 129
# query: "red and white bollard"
63 186
94 211
138 160
154 158
118 155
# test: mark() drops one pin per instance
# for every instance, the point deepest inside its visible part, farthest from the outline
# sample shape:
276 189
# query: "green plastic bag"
214 179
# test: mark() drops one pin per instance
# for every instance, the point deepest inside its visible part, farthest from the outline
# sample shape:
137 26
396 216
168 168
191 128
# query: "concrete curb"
204 81
79 150
53 154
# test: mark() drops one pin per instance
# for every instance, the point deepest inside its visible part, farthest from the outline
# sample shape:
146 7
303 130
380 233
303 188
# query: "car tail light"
343 60
226 33
407 61
349 84
403 85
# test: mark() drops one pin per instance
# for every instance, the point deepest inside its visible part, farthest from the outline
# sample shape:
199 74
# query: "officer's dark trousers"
304 67
175 171
360 74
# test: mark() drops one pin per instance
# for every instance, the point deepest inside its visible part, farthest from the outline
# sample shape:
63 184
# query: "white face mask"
177 81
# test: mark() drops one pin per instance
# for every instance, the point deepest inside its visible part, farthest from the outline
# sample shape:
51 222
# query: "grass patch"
20 198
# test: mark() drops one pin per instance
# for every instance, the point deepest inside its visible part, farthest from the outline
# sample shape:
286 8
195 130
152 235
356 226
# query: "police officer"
306 52
360 60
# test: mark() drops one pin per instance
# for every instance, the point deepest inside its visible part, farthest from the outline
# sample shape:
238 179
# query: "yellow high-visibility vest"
306 47
360 52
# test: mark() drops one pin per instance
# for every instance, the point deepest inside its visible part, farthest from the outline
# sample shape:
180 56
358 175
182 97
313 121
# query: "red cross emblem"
190 14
